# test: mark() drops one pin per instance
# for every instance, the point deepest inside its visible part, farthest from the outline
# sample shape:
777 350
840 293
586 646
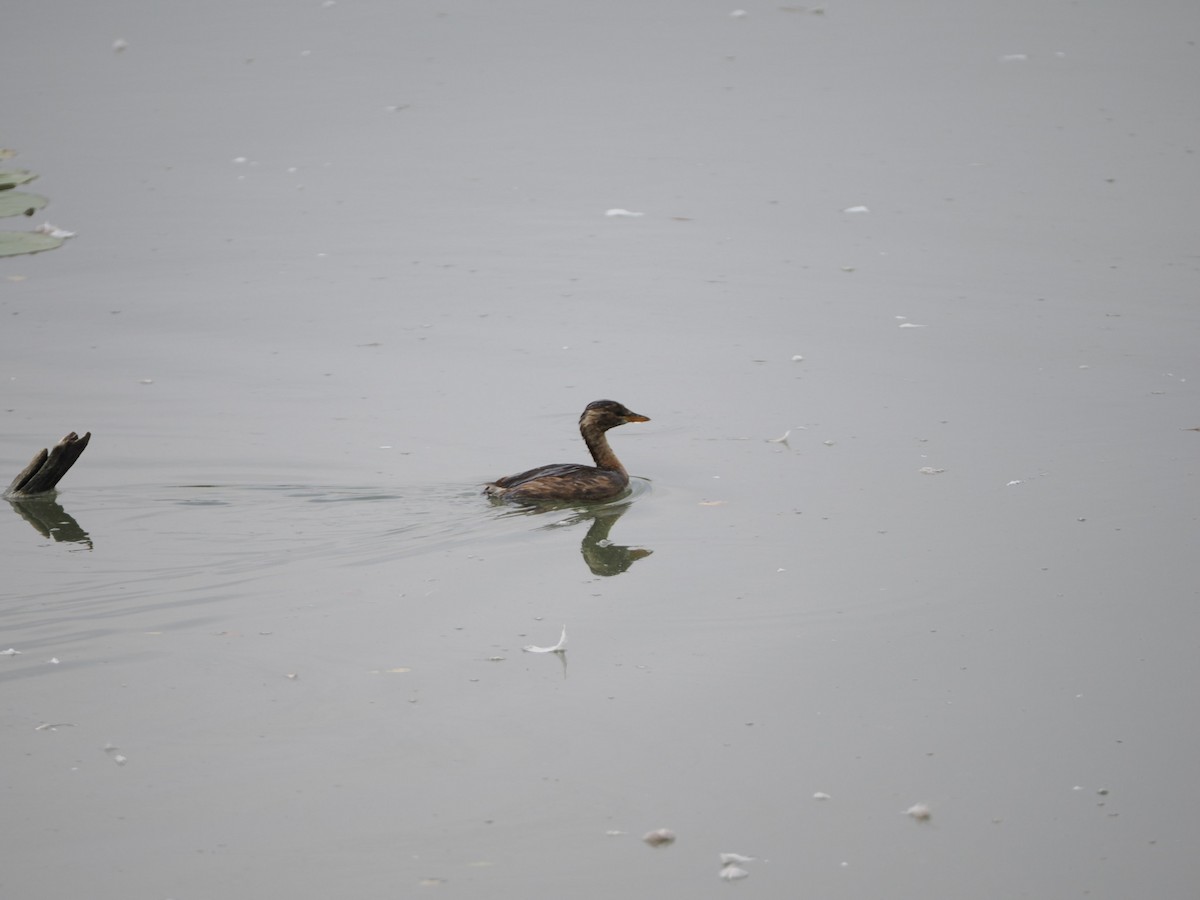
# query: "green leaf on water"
19 203
10 178
14 243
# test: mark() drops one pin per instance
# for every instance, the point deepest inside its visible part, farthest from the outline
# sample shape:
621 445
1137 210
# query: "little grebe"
568 481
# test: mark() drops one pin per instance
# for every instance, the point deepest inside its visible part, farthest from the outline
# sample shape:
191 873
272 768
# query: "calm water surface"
339 264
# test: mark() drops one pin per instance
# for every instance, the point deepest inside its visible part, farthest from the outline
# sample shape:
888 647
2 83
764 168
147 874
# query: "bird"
571 481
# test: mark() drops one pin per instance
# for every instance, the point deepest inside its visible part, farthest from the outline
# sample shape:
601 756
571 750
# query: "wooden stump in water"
48 467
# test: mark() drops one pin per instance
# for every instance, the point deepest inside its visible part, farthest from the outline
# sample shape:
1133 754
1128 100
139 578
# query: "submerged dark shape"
44 513
47 468
570 481
602 556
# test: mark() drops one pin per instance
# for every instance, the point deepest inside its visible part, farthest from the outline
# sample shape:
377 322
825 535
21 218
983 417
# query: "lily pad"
10 178
14 243
19 203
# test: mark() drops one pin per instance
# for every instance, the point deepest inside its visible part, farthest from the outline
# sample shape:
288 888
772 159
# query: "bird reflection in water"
602 556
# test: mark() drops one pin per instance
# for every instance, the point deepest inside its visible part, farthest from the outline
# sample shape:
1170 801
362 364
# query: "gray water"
339 264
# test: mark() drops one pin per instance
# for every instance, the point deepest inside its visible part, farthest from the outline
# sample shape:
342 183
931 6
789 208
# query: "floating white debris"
797 358
821 795
560 647
782 439
660 837
912 325
119 759
53 660
738 14
730 858
120 45
731 866
1016 481
53 230
930 470
920 812
856 209
614 832
47 726
623 212
10 652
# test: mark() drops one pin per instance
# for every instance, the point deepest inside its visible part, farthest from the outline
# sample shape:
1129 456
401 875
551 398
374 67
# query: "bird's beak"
634 417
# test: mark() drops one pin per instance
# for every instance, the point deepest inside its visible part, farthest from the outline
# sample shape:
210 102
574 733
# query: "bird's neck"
603 454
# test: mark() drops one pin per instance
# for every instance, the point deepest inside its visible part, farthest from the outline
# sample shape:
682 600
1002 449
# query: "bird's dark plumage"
571 481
